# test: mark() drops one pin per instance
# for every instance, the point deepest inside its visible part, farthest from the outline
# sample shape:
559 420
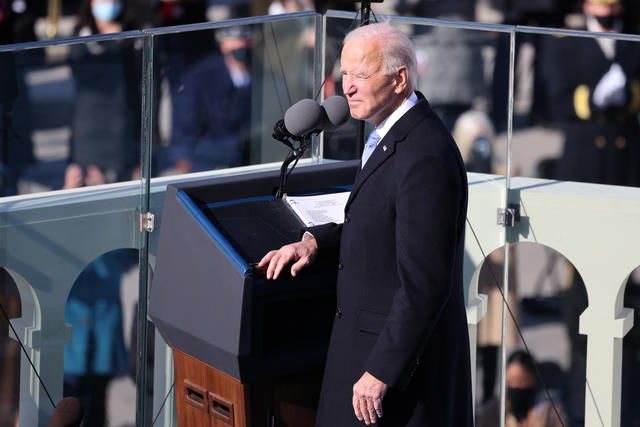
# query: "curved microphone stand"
295 154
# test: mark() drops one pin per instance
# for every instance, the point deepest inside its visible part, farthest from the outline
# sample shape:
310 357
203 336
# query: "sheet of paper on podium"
319 209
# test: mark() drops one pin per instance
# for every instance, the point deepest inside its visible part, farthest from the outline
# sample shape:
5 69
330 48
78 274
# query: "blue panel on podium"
207 300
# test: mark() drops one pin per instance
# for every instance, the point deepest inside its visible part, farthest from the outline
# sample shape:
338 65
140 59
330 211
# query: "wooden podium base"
207 397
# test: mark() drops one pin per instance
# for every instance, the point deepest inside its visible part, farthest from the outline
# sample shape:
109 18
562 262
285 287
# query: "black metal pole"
365 12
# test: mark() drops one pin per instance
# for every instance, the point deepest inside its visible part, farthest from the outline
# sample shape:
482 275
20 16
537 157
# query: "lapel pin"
384 148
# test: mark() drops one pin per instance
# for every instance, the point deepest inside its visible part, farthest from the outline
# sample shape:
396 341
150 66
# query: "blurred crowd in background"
72 117
459 73
23 20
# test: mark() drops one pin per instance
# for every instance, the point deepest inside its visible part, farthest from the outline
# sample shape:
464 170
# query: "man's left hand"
368 393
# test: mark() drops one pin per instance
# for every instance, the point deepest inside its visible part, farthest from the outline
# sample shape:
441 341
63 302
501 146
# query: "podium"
247 351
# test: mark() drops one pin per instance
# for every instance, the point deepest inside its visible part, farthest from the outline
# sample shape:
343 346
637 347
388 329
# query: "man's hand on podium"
301 253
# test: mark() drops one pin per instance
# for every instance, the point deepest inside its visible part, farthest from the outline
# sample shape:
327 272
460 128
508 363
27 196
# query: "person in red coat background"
399 350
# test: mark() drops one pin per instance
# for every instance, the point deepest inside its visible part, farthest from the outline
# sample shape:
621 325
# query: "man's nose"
347 86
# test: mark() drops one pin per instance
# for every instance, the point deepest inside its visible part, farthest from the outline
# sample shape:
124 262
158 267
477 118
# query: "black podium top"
208 301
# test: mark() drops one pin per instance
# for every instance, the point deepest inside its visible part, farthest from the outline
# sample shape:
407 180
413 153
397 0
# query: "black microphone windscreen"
68 413
303 117
337 112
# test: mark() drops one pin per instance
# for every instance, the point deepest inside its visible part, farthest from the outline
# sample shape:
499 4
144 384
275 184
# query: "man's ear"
402 80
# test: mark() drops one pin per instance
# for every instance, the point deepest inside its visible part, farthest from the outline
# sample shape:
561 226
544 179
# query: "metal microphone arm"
281 134
294 155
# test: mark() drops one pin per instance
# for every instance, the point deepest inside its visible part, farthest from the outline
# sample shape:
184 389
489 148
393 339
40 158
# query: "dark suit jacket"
401 313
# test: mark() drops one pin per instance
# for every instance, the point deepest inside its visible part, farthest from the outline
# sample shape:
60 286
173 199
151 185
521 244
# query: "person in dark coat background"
399 350
593 93
212 107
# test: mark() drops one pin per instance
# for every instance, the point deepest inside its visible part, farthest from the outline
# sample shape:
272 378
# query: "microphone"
302 117
337 113
307 116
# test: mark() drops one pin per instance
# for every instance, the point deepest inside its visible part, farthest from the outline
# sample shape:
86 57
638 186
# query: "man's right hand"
301 253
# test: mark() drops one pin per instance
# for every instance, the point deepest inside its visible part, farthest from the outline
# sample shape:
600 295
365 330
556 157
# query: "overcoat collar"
387 145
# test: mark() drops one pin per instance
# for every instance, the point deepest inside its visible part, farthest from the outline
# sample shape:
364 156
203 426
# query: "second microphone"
307 117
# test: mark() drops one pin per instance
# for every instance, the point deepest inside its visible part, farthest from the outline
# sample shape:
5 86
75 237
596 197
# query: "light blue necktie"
369 146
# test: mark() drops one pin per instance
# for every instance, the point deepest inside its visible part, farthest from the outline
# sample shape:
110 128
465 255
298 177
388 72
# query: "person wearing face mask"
212 107
103 150
100 17
592 88
526 404
106 76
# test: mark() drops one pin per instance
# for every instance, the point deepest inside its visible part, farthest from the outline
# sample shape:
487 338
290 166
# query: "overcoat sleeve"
327 236
428 209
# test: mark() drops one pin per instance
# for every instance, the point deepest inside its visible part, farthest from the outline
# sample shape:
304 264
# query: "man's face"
372 95
599 9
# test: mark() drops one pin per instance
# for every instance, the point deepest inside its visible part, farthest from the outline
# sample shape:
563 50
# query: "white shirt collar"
239 78
608 46
383 128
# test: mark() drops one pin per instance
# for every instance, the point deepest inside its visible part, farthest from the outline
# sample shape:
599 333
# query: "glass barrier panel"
51 242
576 106
71 123
71 115
575 118
220 90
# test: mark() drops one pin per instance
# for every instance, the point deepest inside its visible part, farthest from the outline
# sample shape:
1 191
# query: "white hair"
471 125
397 49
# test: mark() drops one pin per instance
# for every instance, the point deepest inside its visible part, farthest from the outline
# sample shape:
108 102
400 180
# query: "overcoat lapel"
385 149
387 145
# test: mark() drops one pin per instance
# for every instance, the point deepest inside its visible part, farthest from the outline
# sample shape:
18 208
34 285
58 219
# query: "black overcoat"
400 307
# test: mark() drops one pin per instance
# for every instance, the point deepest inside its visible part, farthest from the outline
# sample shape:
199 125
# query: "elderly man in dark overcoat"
399 350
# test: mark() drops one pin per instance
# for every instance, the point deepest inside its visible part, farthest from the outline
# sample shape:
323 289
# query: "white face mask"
106 11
